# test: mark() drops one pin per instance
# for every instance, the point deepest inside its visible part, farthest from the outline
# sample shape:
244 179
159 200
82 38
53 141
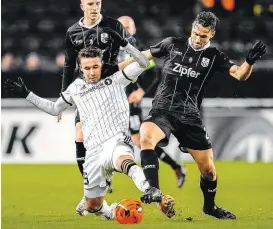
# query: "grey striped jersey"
103 106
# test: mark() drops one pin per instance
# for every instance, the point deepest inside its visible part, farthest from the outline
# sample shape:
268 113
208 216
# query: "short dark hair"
89 52
207 19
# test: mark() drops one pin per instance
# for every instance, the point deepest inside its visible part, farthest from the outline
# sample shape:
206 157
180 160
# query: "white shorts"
100 164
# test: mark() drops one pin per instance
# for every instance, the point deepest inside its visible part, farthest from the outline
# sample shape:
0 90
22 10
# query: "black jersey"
79 36
185 73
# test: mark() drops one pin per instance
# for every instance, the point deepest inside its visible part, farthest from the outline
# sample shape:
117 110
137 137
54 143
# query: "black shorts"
189 131
135 118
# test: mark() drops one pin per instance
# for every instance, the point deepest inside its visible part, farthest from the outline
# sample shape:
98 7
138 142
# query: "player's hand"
16 88
256 52
59 117
116 37
136 96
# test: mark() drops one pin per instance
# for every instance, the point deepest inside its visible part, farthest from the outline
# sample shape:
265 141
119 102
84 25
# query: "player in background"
135 93
189 63
104 111
85 33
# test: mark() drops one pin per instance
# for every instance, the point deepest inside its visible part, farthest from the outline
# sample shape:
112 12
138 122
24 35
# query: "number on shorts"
207 135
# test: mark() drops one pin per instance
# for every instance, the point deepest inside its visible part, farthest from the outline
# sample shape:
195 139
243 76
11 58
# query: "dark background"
33 33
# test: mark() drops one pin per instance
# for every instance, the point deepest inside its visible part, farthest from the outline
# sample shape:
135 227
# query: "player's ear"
81 5
213 33
102 63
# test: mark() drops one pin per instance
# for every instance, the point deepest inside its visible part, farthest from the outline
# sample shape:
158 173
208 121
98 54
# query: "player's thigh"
156 128
192 134
122 152
93 171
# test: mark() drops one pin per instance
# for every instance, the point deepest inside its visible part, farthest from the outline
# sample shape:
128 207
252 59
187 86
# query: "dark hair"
89 52
207 19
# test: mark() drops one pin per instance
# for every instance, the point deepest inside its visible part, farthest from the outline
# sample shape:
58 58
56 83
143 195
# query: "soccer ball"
129 211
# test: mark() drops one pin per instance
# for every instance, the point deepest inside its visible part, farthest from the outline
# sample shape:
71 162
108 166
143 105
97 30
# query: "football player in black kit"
135 93
89 31
189 64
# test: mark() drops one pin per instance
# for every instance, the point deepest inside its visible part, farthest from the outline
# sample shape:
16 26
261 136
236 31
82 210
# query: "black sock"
163 156
150 165
209 191
80 154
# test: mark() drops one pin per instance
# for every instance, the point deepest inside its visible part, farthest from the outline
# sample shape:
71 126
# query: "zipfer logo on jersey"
189 72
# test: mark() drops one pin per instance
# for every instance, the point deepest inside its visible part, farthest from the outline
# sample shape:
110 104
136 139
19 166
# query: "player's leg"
179 170
150 135
80 149
208 183
123 161
126 164
95 185
80 155
96 204
192 134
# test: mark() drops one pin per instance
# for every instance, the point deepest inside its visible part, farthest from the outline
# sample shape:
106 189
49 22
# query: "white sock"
137 175
105 210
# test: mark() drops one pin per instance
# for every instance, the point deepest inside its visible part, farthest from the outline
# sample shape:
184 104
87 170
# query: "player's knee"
209 172
146 137
93 205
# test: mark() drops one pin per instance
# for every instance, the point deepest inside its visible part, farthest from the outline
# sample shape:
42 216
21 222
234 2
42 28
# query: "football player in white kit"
104 111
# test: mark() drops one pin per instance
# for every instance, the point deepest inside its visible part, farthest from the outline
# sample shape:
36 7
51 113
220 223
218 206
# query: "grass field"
45 196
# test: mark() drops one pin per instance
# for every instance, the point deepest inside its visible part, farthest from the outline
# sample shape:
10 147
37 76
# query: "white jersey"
103 107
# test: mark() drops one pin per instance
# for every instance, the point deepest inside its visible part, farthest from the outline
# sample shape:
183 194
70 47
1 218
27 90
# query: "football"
129 211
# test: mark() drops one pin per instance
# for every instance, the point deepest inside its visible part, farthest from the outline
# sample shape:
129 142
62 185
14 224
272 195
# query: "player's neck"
88 22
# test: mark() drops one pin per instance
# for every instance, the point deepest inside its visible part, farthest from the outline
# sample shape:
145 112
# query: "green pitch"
45 196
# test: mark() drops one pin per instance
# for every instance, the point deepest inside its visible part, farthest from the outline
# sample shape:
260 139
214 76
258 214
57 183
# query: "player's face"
91 68
200 35
91 9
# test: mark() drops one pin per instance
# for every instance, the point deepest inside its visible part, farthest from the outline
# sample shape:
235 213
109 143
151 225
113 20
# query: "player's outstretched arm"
255 53
146 53
19 89
134 52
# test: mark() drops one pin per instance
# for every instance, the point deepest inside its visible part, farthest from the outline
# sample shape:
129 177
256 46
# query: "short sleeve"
223 63
162 48
128 75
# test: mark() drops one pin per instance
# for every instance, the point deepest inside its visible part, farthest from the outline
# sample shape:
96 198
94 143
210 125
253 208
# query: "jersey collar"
205 47
90 26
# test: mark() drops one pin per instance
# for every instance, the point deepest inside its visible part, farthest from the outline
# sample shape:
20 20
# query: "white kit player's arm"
131 72
141 59
50 107
18 88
